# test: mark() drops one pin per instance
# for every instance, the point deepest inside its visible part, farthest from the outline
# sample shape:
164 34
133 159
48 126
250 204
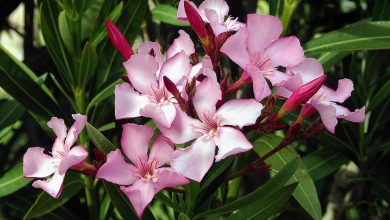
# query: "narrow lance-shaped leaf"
100 141
87 66
305 193
45 203
13 180
167 14
19 81
10 111
373 35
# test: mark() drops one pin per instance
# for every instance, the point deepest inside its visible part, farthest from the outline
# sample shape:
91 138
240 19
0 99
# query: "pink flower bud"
195 21
302 95
118 40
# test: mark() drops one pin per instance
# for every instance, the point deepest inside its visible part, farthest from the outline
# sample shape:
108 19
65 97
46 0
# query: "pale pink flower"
214 128
37 164
214 12
147 95
259 51
325 102
146 176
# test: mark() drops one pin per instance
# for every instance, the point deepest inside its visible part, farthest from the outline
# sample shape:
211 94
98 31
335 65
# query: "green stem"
90 194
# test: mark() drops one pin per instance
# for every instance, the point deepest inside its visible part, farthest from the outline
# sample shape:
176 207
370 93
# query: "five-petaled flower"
215 128
146 176
37 164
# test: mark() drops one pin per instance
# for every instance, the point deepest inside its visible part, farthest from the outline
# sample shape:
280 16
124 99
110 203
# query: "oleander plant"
209 109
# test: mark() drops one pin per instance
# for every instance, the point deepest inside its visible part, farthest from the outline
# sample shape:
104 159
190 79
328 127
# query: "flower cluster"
194 103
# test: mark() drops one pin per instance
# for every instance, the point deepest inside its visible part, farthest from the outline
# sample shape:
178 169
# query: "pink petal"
208 92
117 170
182 43
276 77
161 151
167 177
235 48
76 155
309 70
293 83
283 92
260 86
176 68
262 31
135 140
194 161
52 186
75 130
239 112
356 116
327 114
343 91
141 70
140 195
37 164
147 46
220 8
128 102
278 50
230 141
218 28
163 113
181 129
58 126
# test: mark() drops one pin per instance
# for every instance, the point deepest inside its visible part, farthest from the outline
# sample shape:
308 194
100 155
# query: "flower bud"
301 95
196 22
118 40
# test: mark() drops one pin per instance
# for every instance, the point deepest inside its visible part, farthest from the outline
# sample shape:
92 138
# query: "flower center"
160 96
147 169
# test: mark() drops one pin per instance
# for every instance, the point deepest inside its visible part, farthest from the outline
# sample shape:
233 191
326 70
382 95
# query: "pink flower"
213 12
118 40
147 95
215 128
325 102
37 164
258 50
145 177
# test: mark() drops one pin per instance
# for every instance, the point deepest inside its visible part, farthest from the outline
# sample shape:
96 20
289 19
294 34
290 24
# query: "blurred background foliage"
55 60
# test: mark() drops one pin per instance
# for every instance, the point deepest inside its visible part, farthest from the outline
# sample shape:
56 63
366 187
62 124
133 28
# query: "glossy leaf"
45 203
267 206
104 206
100 141
329 59
275 183
10 112
102 95
88 65
276 7
305 193
167 14
19 81
372 35
381 96
13 180
323 162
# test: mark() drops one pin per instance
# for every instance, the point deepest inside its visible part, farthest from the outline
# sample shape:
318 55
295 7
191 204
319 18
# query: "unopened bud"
118 40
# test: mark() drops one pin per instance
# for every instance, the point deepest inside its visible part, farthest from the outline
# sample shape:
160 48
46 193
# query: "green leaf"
267 206
329 59
101 33
275 183
102 95
19 81
276 7
13 180
100 141
66 33
167 14
88 65
323 162
381 96
217 170
120 201
10 112
45 203
305 193
359 36
49 13
104 206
